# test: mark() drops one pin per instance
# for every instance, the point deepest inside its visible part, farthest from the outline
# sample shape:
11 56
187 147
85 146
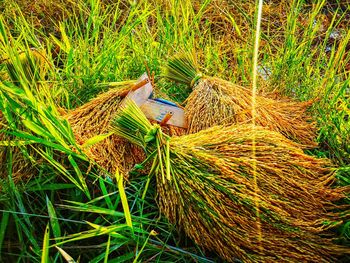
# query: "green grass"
88 44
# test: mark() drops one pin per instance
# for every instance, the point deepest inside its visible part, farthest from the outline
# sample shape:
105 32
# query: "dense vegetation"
55 203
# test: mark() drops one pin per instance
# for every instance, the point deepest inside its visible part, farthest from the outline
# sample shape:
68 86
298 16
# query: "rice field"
262 174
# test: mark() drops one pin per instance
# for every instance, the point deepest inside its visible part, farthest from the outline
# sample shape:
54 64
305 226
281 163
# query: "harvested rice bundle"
215 101
206 185
94 117
22 168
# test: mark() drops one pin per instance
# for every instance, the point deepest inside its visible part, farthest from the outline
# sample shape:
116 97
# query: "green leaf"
107 249
36 129
124 258
96 139
3 227
105 194
92 209
46 246
50 187
15 143
97 230
119 178
53 219
80 176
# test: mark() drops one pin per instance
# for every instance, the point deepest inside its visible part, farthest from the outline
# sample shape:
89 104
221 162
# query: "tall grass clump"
312 64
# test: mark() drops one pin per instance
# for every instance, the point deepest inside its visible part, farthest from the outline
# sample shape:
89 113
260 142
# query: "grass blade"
107 249
3 227
123 198
65 255
53 219
46 246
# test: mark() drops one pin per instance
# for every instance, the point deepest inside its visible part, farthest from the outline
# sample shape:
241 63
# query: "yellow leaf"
119 178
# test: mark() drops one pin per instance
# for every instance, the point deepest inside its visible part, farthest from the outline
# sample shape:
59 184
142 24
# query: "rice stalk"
205 186
215 101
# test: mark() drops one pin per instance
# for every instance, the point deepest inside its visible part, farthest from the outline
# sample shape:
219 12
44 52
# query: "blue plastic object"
165 102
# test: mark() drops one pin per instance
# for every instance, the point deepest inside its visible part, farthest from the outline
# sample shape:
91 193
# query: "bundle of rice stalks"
215 101
93 119
207 185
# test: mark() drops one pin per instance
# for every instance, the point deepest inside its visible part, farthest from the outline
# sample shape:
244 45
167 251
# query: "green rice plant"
308 68
27 100
43 128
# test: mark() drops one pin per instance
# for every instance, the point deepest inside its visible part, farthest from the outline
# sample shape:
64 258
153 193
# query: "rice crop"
205 186
222 102
93 119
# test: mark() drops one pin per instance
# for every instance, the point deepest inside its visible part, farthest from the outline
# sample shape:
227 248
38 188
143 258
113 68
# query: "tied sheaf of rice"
222 102
94 118
205 184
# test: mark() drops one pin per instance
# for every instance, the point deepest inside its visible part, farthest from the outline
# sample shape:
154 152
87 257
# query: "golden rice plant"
215 101
206 186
